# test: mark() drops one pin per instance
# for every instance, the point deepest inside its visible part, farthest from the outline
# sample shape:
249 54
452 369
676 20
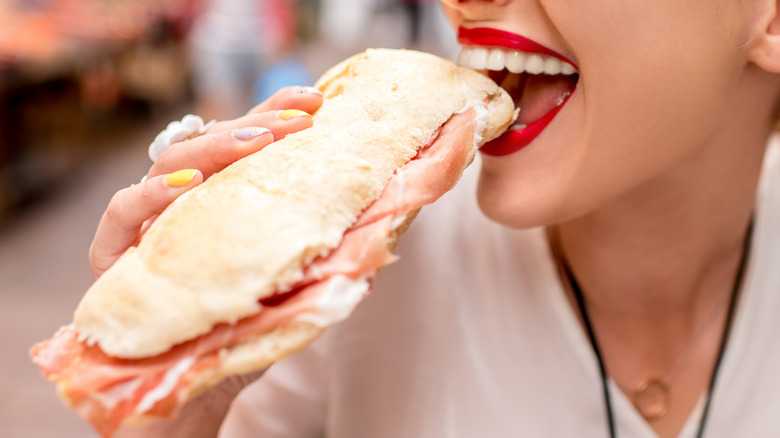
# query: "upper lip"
489 37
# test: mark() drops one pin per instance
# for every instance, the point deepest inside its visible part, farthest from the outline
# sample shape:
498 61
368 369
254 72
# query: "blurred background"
85 85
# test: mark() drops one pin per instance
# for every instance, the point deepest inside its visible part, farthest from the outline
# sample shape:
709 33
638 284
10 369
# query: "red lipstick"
487 37
514 139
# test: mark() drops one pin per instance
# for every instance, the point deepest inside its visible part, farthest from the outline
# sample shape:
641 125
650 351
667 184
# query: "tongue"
541 94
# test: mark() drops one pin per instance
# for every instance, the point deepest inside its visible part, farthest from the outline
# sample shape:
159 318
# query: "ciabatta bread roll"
254 263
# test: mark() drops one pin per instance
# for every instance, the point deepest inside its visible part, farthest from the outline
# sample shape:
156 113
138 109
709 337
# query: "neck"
651 271
657 266
652 395
672 246
656 278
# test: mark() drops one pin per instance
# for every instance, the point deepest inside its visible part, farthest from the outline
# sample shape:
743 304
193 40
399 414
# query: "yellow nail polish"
293 113
180 177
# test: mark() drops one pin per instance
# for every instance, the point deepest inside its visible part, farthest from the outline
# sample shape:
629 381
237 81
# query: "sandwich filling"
106 390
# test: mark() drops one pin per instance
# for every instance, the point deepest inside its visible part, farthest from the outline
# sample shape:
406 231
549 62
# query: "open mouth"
539 80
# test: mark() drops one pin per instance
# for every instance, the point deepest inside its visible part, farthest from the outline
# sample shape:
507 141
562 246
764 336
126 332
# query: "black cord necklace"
726 330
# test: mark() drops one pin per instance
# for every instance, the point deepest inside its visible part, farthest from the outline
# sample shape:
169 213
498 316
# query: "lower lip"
515 140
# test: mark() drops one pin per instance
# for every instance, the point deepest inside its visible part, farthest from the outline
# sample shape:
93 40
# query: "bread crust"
248 230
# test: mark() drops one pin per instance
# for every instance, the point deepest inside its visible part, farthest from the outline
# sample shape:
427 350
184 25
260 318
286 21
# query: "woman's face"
653 85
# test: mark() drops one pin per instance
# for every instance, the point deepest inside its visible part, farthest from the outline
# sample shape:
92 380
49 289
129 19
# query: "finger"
121 224
176 131
213 152
307 99
280 122
234 384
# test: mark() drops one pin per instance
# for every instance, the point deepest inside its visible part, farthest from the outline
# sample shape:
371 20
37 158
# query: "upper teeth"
481 58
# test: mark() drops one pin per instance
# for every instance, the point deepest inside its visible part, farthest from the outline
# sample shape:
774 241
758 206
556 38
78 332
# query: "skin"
668 124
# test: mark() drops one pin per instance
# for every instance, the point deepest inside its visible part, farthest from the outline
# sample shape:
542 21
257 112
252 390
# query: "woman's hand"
188 163
200 418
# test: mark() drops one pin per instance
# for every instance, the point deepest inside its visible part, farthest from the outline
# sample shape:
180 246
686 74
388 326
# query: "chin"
501 202
535 201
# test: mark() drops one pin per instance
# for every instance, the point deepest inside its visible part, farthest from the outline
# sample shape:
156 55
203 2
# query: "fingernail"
181 177
307 90
248 133
293 113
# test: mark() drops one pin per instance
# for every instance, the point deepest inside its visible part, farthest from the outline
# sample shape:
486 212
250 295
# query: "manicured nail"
307 90
181 177
293 113
248 133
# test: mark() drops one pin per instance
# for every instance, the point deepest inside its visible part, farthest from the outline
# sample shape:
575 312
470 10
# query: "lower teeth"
517 127
562 98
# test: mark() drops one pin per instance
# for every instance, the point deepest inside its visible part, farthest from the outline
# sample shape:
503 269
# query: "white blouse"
470 335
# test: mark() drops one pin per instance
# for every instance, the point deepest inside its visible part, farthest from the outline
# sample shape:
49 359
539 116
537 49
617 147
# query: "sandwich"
257 261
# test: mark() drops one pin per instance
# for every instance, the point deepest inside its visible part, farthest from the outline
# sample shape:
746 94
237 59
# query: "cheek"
653 65
656 99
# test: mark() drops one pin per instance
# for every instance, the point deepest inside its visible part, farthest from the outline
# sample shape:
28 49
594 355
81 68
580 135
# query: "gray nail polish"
248 133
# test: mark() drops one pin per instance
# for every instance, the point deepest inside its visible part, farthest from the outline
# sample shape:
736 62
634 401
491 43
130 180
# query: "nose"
459 10
472 5
467 3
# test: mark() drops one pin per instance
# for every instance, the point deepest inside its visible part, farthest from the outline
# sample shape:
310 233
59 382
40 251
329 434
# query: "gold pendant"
651 398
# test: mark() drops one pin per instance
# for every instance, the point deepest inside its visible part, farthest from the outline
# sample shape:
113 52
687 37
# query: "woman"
615 267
